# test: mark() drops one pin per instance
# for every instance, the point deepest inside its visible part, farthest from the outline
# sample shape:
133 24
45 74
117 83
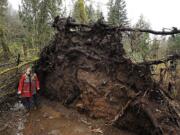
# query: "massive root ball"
85 66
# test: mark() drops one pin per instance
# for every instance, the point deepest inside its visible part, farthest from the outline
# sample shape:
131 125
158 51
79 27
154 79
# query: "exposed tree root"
85 67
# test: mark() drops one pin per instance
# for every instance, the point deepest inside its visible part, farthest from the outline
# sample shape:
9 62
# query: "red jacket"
25 88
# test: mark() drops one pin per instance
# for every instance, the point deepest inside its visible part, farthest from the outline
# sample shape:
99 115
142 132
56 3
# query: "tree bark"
73 24
6 50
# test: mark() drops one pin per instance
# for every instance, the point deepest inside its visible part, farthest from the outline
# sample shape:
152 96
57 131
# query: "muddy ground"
52 118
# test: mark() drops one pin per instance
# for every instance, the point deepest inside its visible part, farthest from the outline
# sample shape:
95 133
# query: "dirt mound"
86 66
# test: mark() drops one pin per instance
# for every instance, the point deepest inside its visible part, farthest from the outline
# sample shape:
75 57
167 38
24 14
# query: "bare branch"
156 62
71 23
172 32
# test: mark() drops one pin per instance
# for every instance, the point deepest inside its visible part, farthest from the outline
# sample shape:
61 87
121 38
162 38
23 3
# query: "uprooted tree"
85 66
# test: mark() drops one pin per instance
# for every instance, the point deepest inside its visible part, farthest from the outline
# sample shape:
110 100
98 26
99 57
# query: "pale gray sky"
160 13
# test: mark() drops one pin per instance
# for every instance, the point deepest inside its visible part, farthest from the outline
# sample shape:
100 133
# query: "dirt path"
54 119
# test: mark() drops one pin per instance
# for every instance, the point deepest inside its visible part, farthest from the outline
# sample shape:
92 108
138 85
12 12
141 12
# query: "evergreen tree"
28 14
3 10
98 13
15 29
3 31
91 13
80 12
36 16
174 44
140 41
117 13
154 48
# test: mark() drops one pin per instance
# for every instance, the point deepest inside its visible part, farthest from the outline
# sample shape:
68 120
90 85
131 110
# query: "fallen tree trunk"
71 23
163 33
85 67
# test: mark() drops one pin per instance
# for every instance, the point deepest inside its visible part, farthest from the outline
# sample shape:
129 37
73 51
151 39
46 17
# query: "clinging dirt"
85 66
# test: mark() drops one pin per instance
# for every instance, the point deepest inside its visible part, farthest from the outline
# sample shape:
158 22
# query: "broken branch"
164 60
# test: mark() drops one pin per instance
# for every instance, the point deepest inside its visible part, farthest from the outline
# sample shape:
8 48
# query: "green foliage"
174 44
80 12
154 49
15 31
3 43
36 16
98 13
16 49
91 13
140 41
3 9
3 30
117 13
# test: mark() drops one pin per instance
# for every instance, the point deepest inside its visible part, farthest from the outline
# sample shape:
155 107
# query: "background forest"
136 90
28 30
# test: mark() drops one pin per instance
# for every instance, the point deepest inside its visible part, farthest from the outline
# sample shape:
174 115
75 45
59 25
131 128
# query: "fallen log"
163 33
62 23
19 66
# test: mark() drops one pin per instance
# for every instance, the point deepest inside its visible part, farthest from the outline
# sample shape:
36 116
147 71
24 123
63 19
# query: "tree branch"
156 62
69 22
172 32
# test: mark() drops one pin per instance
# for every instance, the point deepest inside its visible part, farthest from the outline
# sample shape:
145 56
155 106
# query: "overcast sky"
159 13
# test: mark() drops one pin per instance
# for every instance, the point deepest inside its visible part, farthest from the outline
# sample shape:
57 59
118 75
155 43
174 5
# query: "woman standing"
28 87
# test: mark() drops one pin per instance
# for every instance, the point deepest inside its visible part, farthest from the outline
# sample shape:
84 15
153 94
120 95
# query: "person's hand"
19 92
38 90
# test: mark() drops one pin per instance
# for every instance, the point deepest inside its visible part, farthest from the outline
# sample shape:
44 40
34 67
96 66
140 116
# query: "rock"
51 117
54 132
42 128
17 107
19 133
20 126
45 115
38 120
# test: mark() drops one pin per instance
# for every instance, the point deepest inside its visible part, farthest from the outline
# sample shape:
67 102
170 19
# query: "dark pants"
29 102
35 100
